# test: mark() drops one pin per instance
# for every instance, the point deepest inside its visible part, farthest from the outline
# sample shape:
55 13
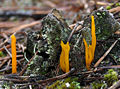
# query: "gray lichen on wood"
54 29
105 25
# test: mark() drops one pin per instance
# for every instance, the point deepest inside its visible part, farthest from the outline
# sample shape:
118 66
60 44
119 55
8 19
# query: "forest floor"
40 25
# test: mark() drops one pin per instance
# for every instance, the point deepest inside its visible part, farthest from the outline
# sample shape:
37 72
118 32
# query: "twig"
13 80
8 64
5 58
8 57
57 77
20 62
116 9
77 24
23 70
25 8
100 3
109 67
7 67
88 72
3 62
73 25
7 51
18 28
39 81
2 49
106 53
72 32
8 24
117 32
95 4
4 42
115 85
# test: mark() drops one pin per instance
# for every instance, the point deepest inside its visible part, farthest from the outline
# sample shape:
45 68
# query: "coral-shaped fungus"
90 50
64 57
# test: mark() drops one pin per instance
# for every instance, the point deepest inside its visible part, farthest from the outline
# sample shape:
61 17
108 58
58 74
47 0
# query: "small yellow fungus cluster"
89 50
64 57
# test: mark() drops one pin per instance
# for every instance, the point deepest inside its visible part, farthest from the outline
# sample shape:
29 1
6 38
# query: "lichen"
105 25
54 30
39 66
47 42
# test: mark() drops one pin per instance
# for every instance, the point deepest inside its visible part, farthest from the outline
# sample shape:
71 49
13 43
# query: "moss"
68 83
111 77
117 4
108 7
2 54
98 85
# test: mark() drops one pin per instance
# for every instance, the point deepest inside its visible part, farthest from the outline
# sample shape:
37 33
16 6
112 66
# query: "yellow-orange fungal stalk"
93 36
13 50
64 57
90 50
86 54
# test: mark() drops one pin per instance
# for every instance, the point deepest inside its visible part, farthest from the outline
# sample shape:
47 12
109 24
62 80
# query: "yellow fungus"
89 50
86 54
93 36
13 50
64 57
